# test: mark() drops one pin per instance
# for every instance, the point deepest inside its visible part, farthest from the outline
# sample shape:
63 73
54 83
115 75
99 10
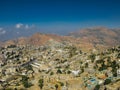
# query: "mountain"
86 39
99 36
40 39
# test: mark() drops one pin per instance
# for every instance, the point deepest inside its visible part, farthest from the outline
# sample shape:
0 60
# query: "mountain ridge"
90 38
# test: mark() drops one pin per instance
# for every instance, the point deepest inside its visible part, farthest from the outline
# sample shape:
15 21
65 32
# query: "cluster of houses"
62 62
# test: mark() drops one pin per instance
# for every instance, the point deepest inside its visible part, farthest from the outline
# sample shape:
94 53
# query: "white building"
118 72
75 73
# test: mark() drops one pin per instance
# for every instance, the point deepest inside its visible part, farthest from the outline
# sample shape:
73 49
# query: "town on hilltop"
58 66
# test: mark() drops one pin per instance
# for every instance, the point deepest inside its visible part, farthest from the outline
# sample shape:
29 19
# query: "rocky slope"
99 36
86 39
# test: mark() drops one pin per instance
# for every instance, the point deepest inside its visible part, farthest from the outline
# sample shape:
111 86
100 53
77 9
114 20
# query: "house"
97 58
101 76
118 72
75 73
100 82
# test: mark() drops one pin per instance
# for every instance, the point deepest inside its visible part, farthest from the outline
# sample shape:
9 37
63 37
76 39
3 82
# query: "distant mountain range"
99 36
89 38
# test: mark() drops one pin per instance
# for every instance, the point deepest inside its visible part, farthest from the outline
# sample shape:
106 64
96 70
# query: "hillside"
99 36
58 66
86 39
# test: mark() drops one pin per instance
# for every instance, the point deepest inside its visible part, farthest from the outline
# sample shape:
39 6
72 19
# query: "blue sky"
68 14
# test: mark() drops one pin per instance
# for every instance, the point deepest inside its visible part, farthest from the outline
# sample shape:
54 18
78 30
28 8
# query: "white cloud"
2 32
29 26
24 26
19 25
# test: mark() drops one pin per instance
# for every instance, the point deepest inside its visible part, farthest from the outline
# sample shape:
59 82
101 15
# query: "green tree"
51 73
86 65
29 67
92 57
25 82
68 72
56 86
61 83
82 70
107 81
59 71
41 83
72 51
97 87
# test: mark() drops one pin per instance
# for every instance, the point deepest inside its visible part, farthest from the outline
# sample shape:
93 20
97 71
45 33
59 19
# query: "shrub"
59 71
68 72
107 81
92 57
51 73
97 87
56 86
61 83
25 82
41 83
